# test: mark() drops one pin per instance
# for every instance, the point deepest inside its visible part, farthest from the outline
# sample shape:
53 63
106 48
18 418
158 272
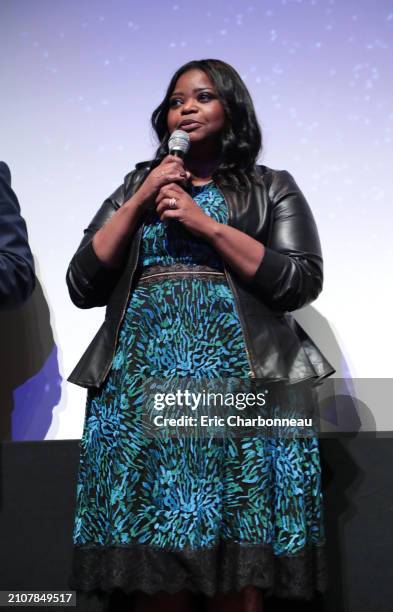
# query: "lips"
186 125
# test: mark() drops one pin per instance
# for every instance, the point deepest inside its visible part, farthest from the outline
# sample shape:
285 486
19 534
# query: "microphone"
179 143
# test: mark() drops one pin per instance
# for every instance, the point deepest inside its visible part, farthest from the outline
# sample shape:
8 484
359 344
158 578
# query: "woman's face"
195 108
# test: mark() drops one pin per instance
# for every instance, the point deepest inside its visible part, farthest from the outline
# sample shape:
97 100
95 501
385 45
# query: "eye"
173 101
205 95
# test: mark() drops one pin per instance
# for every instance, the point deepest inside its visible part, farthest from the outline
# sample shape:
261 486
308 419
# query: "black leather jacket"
290 276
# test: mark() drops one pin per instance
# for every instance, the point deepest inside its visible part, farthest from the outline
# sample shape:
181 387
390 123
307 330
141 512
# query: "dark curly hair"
241 139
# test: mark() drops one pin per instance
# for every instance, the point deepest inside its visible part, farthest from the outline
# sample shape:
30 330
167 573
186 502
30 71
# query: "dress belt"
178 269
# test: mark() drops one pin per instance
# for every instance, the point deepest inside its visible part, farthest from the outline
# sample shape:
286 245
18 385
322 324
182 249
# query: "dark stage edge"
37 498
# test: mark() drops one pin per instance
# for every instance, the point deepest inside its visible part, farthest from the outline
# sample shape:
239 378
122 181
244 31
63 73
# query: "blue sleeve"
17 277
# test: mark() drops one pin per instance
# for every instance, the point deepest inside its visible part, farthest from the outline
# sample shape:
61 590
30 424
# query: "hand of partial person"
170 170
184 209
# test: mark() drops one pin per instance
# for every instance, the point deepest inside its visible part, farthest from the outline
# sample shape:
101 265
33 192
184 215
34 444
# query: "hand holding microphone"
171 169
175 203
111 241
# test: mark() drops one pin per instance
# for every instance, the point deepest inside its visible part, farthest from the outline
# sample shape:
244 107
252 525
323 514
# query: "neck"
200 167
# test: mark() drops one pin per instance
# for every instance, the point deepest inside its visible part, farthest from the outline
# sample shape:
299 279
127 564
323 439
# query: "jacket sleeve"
90 281
291 272
17 277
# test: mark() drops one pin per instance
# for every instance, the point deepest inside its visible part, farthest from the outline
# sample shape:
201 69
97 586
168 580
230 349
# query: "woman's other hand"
185 210
170 170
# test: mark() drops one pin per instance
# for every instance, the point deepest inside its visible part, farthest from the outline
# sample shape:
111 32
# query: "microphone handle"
186 185
177 153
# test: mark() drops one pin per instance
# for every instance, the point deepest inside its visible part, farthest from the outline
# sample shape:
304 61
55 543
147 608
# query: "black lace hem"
228 567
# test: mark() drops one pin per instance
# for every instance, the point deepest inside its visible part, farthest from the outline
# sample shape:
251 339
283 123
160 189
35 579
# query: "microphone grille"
179 141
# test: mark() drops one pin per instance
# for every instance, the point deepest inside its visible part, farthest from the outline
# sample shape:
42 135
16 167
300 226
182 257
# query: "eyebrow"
176 93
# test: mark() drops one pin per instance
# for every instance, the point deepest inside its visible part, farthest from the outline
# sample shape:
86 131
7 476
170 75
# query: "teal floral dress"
209 514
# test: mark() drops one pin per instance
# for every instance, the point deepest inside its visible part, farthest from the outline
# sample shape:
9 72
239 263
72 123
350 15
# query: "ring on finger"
172 203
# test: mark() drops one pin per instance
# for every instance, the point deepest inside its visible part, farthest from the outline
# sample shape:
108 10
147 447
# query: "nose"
189 106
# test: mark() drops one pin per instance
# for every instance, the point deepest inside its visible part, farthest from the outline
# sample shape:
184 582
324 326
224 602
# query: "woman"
198 261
